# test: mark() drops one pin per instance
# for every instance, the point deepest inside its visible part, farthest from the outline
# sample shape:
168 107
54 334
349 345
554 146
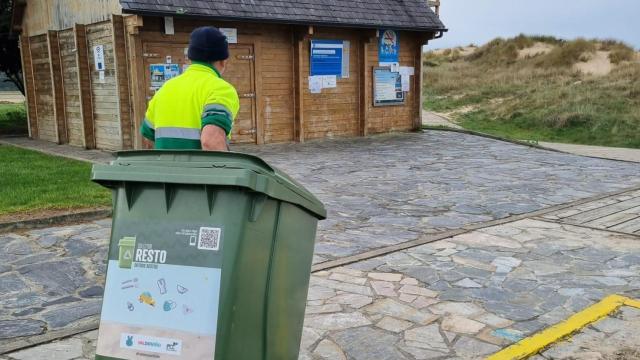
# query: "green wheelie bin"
209 258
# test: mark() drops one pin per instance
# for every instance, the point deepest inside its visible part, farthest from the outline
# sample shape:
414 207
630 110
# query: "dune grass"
539 98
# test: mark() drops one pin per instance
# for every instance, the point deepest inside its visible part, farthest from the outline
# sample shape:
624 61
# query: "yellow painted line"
533 344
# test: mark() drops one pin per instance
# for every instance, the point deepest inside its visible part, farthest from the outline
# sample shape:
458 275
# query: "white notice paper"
315 84
406 83
101 76
406 70
231 34
346 50
168 25
328 81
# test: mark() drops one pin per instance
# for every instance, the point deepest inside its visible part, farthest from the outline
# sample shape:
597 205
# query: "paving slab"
555 271
425 183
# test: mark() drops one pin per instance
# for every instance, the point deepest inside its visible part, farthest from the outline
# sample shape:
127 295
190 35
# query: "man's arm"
218 114
213 138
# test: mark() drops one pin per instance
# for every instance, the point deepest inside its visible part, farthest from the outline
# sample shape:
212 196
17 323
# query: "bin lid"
197 167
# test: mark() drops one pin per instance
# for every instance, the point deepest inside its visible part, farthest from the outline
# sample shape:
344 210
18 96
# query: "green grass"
32 181
13 119
540 98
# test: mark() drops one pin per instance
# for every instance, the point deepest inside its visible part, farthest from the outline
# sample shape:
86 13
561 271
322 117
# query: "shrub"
567 54
621 54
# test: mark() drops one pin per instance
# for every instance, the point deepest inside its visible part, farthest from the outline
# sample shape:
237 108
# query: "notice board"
327 57
387 87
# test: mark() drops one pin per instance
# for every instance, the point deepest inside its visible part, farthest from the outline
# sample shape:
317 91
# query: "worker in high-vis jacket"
196 109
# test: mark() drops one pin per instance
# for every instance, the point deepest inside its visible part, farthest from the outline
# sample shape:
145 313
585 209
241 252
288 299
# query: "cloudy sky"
478 21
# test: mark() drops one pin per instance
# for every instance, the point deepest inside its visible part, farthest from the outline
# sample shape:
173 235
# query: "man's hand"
147 144
213 138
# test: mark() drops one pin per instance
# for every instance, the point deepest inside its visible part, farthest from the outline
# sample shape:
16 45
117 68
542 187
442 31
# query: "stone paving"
51 280
460 298
613 338
414 184
423 183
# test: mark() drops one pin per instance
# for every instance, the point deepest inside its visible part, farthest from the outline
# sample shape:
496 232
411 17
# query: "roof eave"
285 22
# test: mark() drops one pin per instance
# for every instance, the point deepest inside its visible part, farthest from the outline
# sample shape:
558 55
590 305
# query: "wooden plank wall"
73 114
333 112
84 82
394 118
104 92
58 86
102 113
29 86
122 78
44 103
277 89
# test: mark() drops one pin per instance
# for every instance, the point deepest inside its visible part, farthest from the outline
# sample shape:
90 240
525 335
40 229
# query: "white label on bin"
209 238
151 344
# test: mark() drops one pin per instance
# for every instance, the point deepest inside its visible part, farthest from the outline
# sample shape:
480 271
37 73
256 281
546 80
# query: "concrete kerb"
42 222
513 141
43 151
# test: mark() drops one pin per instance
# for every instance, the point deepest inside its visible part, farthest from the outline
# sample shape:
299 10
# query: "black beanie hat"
208 44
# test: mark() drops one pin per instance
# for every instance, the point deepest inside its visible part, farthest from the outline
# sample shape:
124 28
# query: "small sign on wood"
98 57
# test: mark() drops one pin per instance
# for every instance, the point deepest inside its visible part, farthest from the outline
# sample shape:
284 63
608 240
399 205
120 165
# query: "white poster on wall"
329 81
231 34
315 84
98 57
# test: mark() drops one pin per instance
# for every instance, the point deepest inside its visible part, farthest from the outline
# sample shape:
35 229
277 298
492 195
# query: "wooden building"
303 70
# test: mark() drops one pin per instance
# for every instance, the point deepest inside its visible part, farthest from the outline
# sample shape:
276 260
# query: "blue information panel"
326 57
388 47
387 87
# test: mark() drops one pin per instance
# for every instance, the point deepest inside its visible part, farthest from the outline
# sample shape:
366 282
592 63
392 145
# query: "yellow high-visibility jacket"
187 103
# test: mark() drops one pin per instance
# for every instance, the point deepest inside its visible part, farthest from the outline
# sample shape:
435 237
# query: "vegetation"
9 51
13 119
31 181
539 97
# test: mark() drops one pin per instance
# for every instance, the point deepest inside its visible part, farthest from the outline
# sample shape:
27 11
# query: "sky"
478 21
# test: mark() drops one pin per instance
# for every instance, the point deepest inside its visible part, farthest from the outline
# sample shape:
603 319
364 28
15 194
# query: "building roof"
397 14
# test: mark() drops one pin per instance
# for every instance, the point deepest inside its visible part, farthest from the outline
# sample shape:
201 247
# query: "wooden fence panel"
73 113
106 112
46 122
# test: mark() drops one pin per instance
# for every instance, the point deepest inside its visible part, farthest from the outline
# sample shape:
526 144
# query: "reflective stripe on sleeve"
148 123
178 133
211 109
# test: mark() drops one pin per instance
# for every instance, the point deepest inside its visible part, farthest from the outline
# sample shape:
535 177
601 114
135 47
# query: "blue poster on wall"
326 57
388 47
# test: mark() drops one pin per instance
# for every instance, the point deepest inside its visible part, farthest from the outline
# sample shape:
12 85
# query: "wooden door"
239 73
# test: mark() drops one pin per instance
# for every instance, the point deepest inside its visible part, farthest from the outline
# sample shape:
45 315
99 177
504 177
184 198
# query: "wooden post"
84 82
136 72
57 87
298 111
122 80
257 55
364 85
418 82
29 86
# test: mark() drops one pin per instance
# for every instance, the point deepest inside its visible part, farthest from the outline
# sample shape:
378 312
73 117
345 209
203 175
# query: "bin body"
222 251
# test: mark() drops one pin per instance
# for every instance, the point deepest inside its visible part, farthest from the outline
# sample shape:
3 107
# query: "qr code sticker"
209 238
